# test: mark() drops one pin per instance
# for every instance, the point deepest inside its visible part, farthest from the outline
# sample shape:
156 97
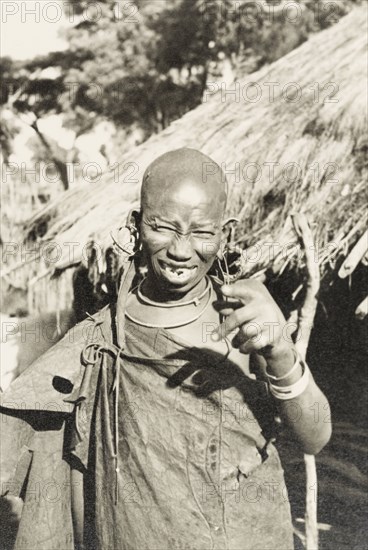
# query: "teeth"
180 273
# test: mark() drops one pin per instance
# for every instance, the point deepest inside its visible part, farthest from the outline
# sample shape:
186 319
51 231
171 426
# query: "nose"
180 249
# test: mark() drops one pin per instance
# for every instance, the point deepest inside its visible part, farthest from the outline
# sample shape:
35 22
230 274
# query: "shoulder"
48 381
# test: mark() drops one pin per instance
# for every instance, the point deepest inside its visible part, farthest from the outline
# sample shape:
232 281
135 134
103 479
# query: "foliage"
147 65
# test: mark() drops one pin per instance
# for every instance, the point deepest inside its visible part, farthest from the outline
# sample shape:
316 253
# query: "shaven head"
183 200
172 170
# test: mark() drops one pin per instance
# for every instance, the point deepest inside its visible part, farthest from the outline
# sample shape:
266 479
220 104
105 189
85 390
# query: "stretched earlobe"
220 252
126 238
133 220
228 229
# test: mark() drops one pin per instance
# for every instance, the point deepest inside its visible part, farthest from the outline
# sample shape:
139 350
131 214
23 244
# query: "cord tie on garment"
94 354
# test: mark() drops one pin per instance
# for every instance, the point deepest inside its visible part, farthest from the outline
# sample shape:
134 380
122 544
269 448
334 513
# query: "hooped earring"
128 234
229 256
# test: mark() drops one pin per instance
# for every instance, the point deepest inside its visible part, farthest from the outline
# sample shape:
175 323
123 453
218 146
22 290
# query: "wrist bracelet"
294 390
293 368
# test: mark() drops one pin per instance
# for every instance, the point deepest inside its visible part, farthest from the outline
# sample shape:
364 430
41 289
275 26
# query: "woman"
171 442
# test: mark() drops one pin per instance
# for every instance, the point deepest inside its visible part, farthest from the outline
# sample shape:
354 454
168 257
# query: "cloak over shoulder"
37 414
165 467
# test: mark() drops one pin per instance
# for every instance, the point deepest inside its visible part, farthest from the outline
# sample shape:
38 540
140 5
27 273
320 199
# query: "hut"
292 139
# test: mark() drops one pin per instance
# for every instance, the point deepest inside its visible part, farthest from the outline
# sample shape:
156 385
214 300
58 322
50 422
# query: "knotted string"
94 353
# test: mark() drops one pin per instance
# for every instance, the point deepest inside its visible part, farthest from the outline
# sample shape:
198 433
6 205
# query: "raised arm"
257 325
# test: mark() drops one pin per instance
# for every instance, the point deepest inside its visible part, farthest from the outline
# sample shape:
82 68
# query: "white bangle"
293 368
294 390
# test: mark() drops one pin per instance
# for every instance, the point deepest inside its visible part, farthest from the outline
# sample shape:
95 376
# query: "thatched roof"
321 129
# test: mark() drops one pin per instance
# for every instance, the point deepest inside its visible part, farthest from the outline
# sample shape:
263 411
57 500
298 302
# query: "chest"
198 334
194 328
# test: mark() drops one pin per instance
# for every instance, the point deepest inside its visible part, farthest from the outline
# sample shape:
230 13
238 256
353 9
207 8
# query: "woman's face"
180 236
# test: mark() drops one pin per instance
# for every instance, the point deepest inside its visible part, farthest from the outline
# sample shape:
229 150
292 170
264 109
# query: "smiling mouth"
178 273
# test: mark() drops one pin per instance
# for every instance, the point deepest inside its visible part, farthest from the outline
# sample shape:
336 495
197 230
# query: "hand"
253 314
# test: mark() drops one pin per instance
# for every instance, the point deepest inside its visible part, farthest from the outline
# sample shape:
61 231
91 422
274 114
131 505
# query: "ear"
228 231
126 238
133 220
223 243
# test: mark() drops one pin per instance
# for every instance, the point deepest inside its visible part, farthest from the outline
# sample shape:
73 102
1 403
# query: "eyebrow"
206 224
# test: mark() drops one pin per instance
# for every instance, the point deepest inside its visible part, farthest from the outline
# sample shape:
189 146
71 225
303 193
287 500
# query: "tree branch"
306 318
60 165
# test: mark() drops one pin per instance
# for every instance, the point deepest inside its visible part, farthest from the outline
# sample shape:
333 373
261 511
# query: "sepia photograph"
184 275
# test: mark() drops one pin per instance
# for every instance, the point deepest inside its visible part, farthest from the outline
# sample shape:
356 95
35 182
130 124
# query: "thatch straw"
310 131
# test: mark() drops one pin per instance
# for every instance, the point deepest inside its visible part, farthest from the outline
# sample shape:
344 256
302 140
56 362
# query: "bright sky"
30 28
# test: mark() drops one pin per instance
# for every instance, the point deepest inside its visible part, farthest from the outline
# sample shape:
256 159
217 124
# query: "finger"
248 333
232 322
226 307
226 312
246 348
257 345
240 290
219 305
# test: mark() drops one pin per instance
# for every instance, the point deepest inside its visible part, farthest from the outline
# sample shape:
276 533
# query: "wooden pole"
305 324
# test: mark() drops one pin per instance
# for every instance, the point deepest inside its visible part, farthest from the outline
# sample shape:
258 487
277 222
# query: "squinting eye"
206 234
163 228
